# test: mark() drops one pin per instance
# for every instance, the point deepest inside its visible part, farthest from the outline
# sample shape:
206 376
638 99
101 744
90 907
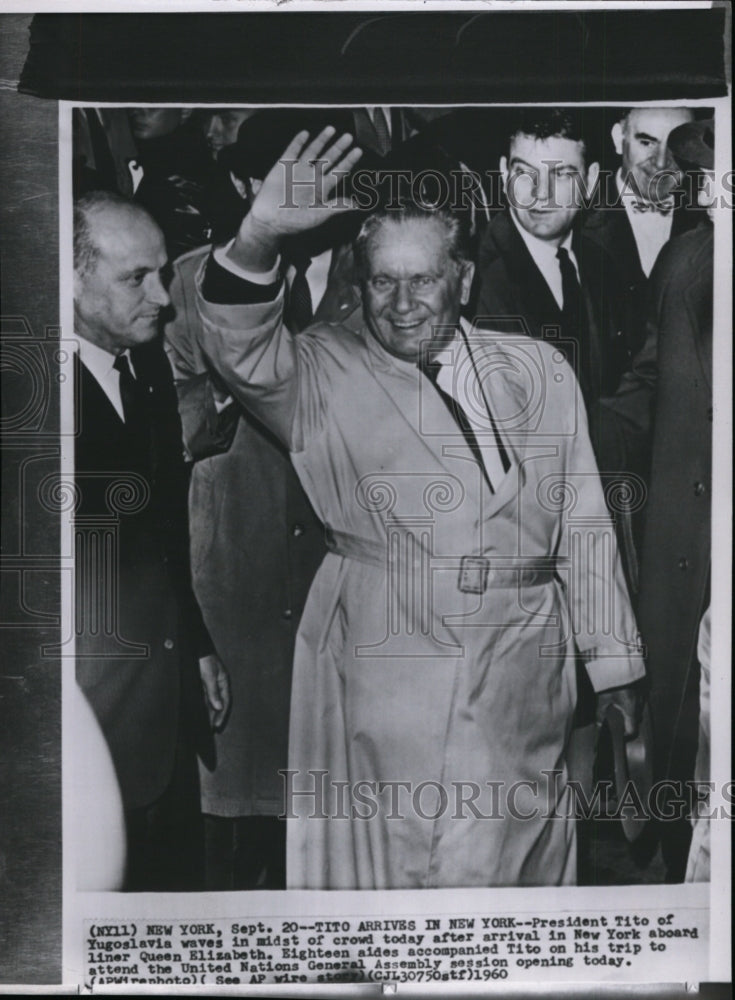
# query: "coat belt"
476 573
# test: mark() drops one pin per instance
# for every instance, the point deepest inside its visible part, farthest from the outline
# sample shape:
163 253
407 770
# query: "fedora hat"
633 761
693 144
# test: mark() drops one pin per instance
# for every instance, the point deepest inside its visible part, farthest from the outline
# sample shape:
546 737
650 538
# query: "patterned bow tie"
663 208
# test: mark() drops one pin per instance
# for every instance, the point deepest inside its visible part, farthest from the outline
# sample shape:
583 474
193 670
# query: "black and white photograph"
367 498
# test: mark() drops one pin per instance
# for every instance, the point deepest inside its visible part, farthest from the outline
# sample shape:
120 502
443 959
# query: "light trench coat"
402 673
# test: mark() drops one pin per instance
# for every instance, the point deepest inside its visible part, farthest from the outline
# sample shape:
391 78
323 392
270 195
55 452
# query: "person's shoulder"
494 239
188 262
513 347
683 255
352 338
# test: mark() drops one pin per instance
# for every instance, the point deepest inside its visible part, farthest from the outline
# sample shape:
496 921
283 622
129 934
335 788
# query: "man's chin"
147 331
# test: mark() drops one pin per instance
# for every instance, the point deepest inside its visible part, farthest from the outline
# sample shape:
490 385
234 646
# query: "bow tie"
663 208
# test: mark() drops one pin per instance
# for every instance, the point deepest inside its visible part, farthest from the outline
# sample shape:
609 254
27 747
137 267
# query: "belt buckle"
473 574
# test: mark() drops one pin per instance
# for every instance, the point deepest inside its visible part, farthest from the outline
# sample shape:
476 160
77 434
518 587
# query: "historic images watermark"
461 189
312 794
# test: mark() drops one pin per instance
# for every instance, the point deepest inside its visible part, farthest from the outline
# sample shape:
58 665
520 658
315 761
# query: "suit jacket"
137 627
608 226
255 547
513 295
663 412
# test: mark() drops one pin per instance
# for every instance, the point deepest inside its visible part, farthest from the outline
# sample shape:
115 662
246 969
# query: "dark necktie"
431 370
371 131
572 300
382 132
573 318
300 307
133 396
104 164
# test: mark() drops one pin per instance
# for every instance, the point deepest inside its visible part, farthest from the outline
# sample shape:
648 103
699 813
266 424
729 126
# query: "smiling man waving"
434 678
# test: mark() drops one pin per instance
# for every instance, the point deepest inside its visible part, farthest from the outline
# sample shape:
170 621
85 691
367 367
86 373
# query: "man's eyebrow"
137 270
645 135
519 159
556 164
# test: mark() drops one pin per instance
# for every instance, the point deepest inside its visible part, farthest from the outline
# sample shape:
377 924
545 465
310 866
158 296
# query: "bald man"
137 628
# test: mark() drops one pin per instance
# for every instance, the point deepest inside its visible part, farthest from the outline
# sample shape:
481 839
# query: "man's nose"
156 292
663 159
403 301
215 127
543 187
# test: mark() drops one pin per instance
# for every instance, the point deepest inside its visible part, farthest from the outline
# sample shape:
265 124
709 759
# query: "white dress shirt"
458 378
100 364
545 259
650 229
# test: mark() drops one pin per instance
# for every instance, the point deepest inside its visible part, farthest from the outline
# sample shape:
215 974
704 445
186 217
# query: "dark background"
332 57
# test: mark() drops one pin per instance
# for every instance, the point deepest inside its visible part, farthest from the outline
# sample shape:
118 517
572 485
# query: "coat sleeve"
279 378
208 426
600 610
622 424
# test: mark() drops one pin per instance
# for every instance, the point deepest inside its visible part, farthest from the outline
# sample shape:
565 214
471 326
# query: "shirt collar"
542 251
99 361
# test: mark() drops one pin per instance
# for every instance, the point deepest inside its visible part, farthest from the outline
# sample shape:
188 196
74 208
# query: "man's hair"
548 123
86 250
624 118
456 227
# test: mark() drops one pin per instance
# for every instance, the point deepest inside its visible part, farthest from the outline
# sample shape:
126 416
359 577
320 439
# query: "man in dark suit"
137 628
537 274
662 414
640 206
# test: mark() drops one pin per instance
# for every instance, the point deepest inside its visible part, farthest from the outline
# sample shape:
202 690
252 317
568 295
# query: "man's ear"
593 173
504 172
468 272
256 184
617 137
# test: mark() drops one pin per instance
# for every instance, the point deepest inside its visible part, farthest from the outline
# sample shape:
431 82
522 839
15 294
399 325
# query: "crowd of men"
418 482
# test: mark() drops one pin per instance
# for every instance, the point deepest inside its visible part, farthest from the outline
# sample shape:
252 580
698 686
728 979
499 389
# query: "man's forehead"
657 122
547 150
124 233
415 236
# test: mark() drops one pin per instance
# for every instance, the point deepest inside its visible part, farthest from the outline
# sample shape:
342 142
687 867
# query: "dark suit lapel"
540 306
609 227
693 296
93 403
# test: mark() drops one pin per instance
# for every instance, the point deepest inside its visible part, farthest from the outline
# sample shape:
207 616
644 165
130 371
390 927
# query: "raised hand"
298 194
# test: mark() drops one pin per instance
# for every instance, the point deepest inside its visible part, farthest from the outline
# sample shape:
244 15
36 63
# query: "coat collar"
506 384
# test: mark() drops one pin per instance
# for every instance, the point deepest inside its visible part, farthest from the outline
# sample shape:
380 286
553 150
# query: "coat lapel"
539 303
698 298
94 403
414 396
